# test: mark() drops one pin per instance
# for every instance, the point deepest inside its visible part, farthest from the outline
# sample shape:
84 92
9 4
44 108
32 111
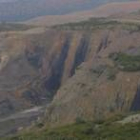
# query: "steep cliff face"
83 59
34 65
106 83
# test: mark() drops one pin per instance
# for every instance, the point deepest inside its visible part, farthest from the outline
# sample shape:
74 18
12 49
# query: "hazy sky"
7 0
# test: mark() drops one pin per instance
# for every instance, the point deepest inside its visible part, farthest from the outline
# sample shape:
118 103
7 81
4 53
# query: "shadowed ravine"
54 81
136 102
81 52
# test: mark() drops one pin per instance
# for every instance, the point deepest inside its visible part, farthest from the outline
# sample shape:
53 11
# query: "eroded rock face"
100 87
34 66
92 94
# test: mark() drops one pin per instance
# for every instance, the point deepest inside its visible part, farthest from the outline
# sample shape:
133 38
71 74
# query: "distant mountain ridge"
113 9
20 10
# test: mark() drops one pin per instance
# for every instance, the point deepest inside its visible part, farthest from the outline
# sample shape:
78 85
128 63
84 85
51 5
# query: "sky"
8 0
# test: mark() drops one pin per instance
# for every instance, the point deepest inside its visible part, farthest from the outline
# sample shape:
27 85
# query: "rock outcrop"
107 83
34 65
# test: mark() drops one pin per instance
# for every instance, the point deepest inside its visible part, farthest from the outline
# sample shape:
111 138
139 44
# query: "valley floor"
17 121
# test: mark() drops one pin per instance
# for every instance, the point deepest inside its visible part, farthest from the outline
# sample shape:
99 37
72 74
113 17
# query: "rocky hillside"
107 82
32 67
94 64
34 64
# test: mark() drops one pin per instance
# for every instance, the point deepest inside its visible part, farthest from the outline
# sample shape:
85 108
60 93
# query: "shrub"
40 124
111 74
79 120
126 62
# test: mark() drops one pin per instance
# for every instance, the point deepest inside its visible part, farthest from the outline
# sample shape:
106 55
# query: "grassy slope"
101 130
13 27
99 23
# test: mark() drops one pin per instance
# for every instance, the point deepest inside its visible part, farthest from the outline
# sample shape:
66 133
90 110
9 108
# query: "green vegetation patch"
111 73
126 62
85 131
99 23
13 27
91 24
132 27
